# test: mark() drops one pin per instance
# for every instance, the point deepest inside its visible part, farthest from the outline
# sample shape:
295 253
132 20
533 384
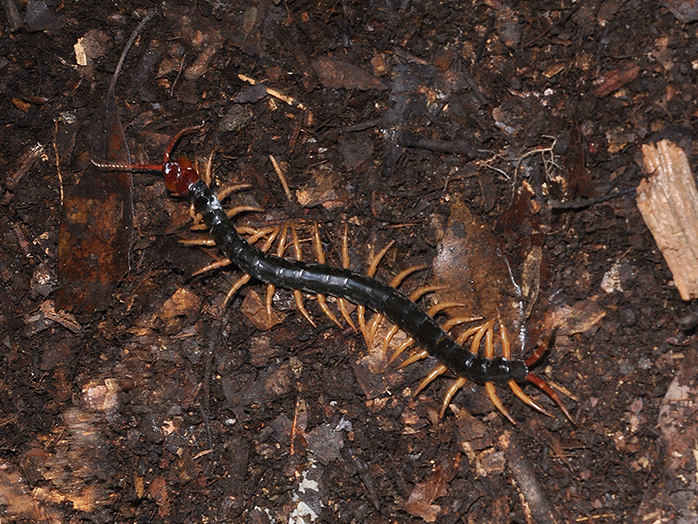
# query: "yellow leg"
437 371
457 384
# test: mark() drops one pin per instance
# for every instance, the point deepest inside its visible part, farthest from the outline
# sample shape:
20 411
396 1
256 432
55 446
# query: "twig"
148 17
273 92
282 178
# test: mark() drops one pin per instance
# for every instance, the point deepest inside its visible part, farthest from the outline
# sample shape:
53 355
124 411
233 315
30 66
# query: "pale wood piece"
668 202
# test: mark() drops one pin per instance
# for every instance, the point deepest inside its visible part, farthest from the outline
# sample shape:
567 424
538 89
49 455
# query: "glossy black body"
360 289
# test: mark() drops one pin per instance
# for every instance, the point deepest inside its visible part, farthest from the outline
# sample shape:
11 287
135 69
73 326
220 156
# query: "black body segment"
355 287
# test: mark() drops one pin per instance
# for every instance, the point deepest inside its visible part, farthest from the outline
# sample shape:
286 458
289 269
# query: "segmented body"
360 289
182 179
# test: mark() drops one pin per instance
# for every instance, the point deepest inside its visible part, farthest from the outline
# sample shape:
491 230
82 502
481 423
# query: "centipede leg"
506 353
457 384
271 289
343 308
237 210
246 278
416 357
369 332
436 372
213 265
431 312
489 387
406 344
414 296
539 382
320 256
297 295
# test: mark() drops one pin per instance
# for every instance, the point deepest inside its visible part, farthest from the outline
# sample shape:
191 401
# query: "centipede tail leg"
506 353
535 357
543 386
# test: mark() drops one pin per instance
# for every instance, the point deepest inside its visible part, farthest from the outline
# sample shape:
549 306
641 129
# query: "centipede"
475 362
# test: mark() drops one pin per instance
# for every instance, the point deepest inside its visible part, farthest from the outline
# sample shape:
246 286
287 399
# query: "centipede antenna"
127 167
173 142
457 384
542 385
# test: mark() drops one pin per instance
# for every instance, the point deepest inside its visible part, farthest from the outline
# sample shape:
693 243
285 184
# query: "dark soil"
129 393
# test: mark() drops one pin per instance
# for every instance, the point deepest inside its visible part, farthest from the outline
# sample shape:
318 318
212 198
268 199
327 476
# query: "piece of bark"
668 201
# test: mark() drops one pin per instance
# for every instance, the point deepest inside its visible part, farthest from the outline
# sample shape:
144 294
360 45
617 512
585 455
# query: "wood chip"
668 201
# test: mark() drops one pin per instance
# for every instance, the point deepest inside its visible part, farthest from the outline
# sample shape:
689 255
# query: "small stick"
273 92
282 178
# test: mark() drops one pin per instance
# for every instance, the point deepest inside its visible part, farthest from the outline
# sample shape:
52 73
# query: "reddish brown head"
180 175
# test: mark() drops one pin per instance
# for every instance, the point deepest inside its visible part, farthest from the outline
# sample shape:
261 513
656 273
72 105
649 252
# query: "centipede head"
180 174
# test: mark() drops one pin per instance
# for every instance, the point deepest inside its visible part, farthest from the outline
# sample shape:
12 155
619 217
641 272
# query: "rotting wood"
668 201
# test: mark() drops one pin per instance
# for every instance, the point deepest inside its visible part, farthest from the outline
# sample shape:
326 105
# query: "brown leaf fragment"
581 317
94 237
420 501
15 496
256 312
336 74
668 202
675 492
474 273
615 79
212 44
534 496
158 490
685 11
64 319
182 303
